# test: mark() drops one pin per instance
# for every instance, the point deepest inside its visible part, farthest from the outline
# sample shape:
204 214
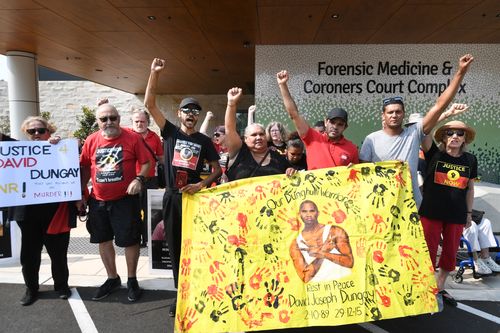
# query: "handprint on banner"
378 254
337 214
186 266
282 275
218 274
332 177
378 225
200 302
395 211
276 234
258 276
380 171
235 293
294 181
378 193
275 187
253 317
287 216
354 191
252 199
265 214
419 278
199 224
242 223
260 191
285 313
429 297
187 246
201 252
273 293
218 234
209 205
414 225
407 260
187 320
314 181
366 174
391 273
408 297
269 253
410 203
240 255
395 234
351 207
370 275
185 286
218 312
225 197
399 179
236 240
384 299
390 173
372 308
353 176
214 292
360 247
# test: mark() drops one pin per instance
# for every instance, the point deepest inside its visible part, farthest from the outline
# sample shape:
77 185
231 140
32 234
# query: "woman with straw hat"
448 196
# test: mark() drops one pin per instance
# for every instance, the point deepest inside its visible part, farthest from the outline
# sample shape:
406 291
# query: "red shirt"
324 153
154 142
112 162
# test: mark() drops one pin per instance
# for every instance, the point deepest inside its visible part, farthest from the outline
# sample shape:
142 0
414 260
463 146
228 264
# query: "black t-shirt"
245 165
301 164
446 185
185 152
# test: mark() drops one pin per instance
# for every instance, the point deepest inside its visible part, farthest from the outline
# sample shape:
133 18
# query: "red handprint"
407 258
242 219
186 266
400 181
353 193
236 240
187 320
215 292
257 277
419 278
281 276
275 187
185 289
252 199
217 274
379 224
386 300
284 215
353 176
337 214
187 247
378 255
260 191
284 314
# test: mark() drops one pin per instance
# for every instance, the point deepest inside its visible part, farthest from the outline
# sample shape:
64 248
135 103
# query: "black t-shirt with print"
446 185
185 152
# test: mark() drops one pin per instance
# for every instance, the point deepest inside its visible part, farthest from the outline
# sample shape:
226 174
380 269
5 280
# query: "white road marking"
81 314
479 313
372 328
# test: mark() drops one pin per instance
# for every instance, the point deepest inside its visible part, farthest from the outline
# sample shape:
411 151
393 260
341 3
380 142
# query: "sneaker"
491 264
29 297
107 288
64 293
481 267
134 292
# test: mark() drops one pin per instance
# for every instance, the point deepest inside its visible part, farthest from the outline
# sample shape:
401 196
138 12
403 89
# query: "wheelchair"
469 261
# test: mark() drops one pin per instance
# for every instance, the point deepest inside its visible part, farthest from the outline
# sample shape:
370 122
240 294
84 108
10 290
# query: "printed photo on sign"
186 154
159 258
109 166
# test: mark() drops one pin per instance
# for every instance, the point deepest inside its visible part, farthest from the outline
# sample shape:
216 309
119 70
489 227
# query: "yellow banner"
325 247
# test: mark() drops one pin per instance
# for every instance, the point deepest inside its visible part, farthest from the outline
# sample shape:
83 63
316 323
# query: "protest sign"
35 172
325 247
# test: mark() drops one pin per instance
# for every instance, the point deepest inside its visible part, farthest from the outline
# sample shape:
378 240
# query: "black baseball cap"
337 113
189 100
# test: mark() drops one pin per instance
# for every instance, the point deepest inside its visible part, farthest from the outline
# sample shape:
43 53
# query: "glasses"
40 130
111 118
194 112
457 132
392 100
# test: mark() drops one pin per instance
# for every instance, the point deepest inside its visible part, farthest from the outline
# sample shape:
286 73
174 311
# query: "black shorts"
118 219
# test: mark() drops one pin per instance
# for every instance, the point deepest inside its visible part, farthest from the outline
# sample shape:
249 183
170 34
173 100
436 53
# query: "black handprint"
378 195
273 295
226 197
390 273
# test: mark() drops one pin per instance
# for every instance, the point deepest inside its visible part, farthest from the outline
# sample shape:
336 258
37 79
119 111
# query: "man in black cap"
185 152
331 148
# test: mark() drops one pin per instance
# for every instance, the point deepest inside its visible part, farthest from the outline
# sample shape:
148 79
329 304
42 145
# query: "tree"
88 124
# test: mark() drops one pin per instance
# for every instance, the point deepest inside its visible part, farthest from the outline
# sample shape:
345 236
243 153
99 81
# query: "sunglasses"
111 118
194 112
32 131
457 132
392 100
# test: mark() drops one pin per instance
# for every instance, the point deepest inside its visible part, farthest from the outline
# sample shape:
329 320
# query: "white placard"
35 172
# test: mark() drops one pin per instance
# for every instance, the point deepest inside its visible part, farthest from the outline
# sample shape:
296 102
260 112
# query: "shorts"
119 219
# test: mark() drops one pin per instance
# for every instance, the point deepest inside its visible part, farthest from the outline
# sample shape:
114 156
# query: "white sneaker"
482 268
491 264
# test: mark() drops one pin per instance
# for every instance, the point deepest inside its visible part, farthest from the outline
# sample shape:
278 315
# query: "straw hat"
414 118
470 133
